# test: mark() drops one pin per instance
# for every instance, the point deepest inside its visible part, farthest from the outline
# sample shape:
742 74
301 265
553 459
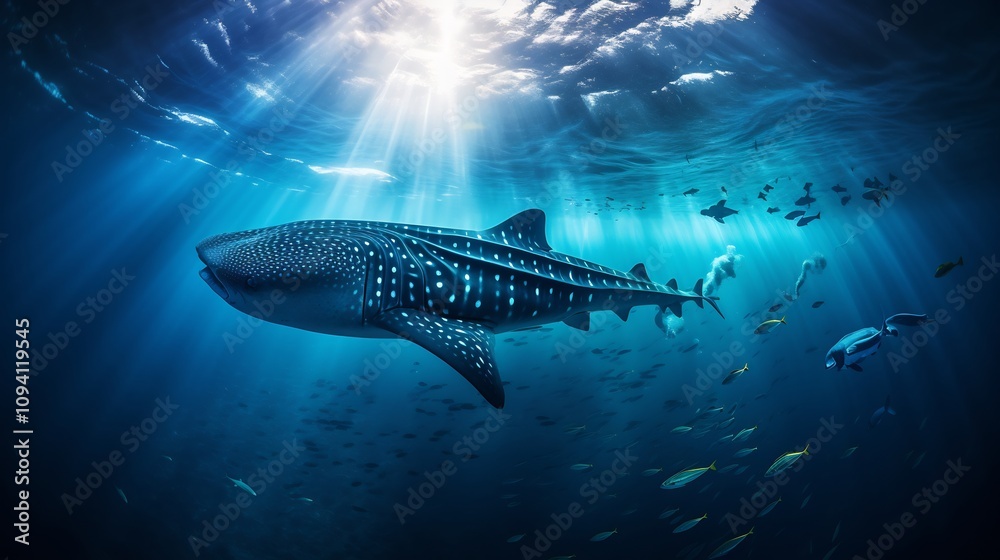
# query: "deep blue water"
137 129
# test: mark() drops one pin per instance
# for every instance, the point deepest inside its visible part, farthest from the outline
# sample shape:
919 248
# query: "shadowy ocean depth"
813 168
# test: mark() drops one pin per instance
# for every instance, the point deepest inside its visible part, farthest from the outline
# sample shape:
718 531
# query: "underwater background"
136 129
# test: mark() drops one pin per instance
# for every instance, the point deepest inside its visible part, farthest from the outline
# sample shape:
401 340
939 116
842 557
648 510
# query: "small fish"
304 499
581 467
775 307
680 429
807 219
817 304
725 423
844 200
603 536
689 524
805 501
744 434
755 144
724 191
919 459
690 191
773 210
744 452
515 538
788 296
785 461
767 509
762 196
795 214
685 477
806 187
766 326
848 452
668 512
805 201
732 377
651 472
687 158
723 470
768 188
240 484
575 429
835 533
122 494
880 413
946 267
729 545
830 554
168 457
837 188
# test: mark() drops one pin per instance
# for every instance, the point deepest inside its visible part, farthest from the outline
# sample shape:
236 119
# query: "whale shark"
447 290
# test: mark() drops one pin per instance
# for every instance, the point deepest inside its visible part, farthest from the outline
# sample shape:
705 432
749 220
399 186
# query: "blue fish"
446 290
880 413
853 348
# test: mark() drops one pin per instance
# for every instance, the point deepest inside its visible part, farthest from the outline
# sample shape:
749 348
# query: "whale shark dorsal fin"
463 345
524 229
639 271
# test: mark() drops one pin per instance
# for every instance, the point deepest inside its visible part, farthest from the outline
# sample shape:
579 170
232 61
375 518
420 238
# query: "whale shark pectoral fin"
855 367
525 229
580 321
463 345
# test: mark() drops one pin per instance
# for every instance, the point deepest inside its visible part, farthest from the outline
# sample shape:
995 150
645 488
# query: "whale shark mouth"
213 281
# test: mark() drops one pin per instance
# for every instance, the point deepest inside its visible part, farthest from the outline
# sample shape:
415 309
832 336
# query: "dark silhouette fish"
805 201
773 210
839 189
690 191
807 219
845 200
762 196
945 268
817 304
767 188
795 214
719 211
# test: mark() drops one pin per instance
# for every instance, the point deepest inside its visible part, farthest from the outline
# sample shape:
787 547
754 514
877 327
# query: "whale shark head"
306 274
